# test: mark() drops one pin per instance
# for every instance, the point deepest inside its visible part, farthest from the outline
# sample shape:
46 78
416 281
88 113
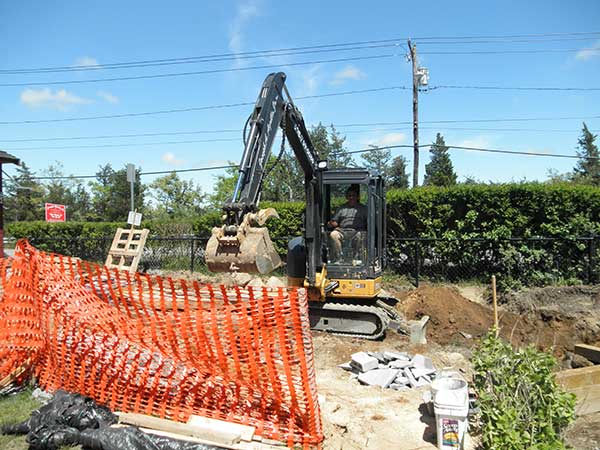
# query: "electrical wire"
512 88
507 52
191 60
199 72
365 150
198 108
337 126
541 37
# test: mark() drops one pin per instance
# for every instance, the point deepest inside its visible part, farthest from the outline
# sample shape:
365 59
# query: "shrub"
522 406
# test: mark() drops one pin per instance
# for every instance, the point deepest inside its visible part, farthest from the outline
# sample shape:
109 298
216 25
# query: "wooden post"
495 303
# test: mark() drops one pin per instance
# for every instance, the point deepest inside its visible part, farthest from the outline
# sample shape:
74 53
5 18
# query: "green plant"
522 407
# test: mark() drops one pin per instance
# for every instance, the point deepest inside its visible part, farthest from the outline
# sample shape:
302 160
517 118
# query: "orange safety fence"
160 346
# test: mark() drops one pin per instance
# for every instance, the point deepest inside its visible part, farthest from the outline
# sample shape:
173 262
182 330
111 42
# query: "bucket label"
450 433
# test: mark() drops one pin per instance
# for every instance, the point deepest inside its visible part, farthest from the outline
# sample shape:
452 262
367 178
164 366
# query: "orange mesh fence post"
142 343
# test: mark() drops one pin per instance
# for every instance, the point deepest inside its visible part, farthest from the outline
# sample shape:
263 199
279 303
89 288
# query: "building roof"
6 158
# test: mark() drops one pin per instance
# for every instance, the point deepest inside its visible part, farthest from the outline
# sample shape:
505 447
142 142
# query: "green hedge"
505 210
491 211
451 215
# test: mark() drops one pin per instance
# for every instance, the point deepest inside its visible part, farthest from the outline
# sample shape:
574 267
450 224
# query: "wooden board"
589 352
211 434
585 384
246 433
126 249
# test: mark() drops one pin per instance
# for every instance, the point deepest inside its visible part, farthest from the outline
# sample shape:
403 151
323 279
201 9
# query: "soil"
453 318
362 417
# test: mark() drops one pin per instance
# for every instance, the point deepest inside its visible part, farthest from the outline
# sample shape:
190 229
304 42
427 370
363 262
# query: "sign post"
131 179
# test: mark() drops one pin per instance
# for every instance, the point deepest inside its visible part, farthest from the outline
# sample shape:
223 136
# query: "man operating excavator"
347 222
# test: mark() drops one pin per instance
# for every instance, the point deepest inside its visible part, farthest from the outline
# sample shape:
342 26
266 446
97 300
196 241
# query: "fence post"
417 262
192 255
591 259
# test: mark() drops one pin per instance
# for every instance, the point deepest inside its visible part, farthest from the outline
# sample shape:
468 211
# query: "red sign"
55 213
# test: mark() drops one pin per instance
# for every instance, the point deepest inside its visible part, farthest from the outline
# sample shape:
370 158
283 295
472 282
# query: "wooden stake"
495 303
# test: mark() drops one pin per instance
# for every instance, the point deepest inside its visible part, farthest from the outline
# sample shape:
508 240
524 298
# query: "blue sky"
52 33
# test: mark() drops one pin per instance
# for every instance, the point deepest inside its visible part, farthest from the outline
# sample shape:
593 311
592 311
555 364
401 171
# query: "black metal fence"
526 261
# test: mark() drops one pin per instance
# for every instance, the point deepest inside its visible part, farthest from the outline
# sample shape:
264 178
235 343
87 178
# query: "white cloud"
246 11
45 97
348 73
389 139
86 61
170 159
588 52
108 97
476 141
310 81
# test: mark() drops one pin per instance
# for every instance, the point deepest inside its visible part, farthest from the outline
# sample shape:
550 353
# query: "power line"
512 88
198 108
337 126
136 144
506 52
194 60
541 37
365 150
503 40
199 72
196 141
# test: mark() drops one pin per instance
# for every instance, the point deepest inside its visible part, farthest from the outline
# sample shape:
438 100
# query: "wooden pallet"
126 249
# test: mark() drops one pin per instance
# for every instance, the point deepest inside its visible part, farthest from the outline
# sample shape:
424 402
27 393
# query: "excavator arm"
239 244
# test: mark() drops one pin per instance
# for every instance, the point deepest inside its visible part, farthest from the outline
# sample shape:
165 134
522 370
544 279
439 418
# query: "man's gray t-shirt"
352 217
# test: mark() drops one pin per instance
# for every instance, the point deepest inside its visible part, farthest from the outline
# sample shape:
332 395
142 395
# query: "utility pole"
415 79
420 78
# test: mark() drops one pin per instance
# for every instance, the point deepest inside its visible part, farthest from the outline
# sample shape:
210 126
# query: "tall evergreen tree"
330 146
439 171
378 159
398 177
587 169
24 198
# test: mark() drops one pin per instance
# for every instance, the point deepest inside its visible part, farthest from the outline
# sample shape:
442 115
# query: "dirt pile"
453 316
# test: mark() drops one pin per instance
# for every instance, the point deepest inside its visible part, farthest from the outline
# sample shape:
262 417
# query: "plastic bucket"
451 407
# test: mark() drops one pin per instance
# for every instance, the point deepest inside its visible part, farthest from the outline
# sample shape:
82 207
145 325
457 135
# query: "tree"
398 176
284 180
223 187
330 146
378 159
24 199
176 198
587 169
110 194
439 171
69 192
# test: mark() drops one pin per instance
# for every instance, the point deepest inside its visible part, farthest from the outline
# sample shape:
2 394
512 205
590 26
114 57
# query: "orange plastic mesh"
159 346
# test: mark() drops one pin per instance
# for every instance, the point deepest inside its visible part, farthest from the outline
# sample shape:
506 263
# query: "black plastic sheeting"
72 419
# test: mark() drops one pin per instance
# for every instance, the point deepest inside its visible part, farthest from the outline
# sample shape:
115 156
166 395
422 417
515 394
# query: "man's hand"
332 224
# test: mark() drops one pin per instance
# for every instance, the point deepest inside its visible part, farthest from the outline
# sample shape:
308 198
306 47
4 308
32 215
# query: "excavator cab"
355 247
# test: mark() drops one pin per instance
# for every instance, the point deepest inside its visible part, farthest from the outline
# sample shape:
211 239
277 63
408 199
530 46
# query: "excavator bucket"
250 250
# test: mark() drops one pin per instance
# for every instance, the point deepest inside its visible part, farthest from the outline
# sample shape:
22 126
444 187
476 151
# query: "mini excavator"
344 291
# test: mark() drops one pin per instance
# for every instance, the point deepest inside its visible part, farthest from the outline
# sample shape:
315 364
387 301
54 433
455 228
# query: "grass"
15 409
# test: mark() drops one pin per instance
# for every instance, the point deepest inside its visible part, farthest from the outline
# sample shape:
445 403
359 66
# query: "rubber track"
374 310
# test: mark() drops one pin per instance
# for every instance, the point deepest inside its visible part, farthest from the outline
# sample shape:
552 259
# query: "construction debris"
391 369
